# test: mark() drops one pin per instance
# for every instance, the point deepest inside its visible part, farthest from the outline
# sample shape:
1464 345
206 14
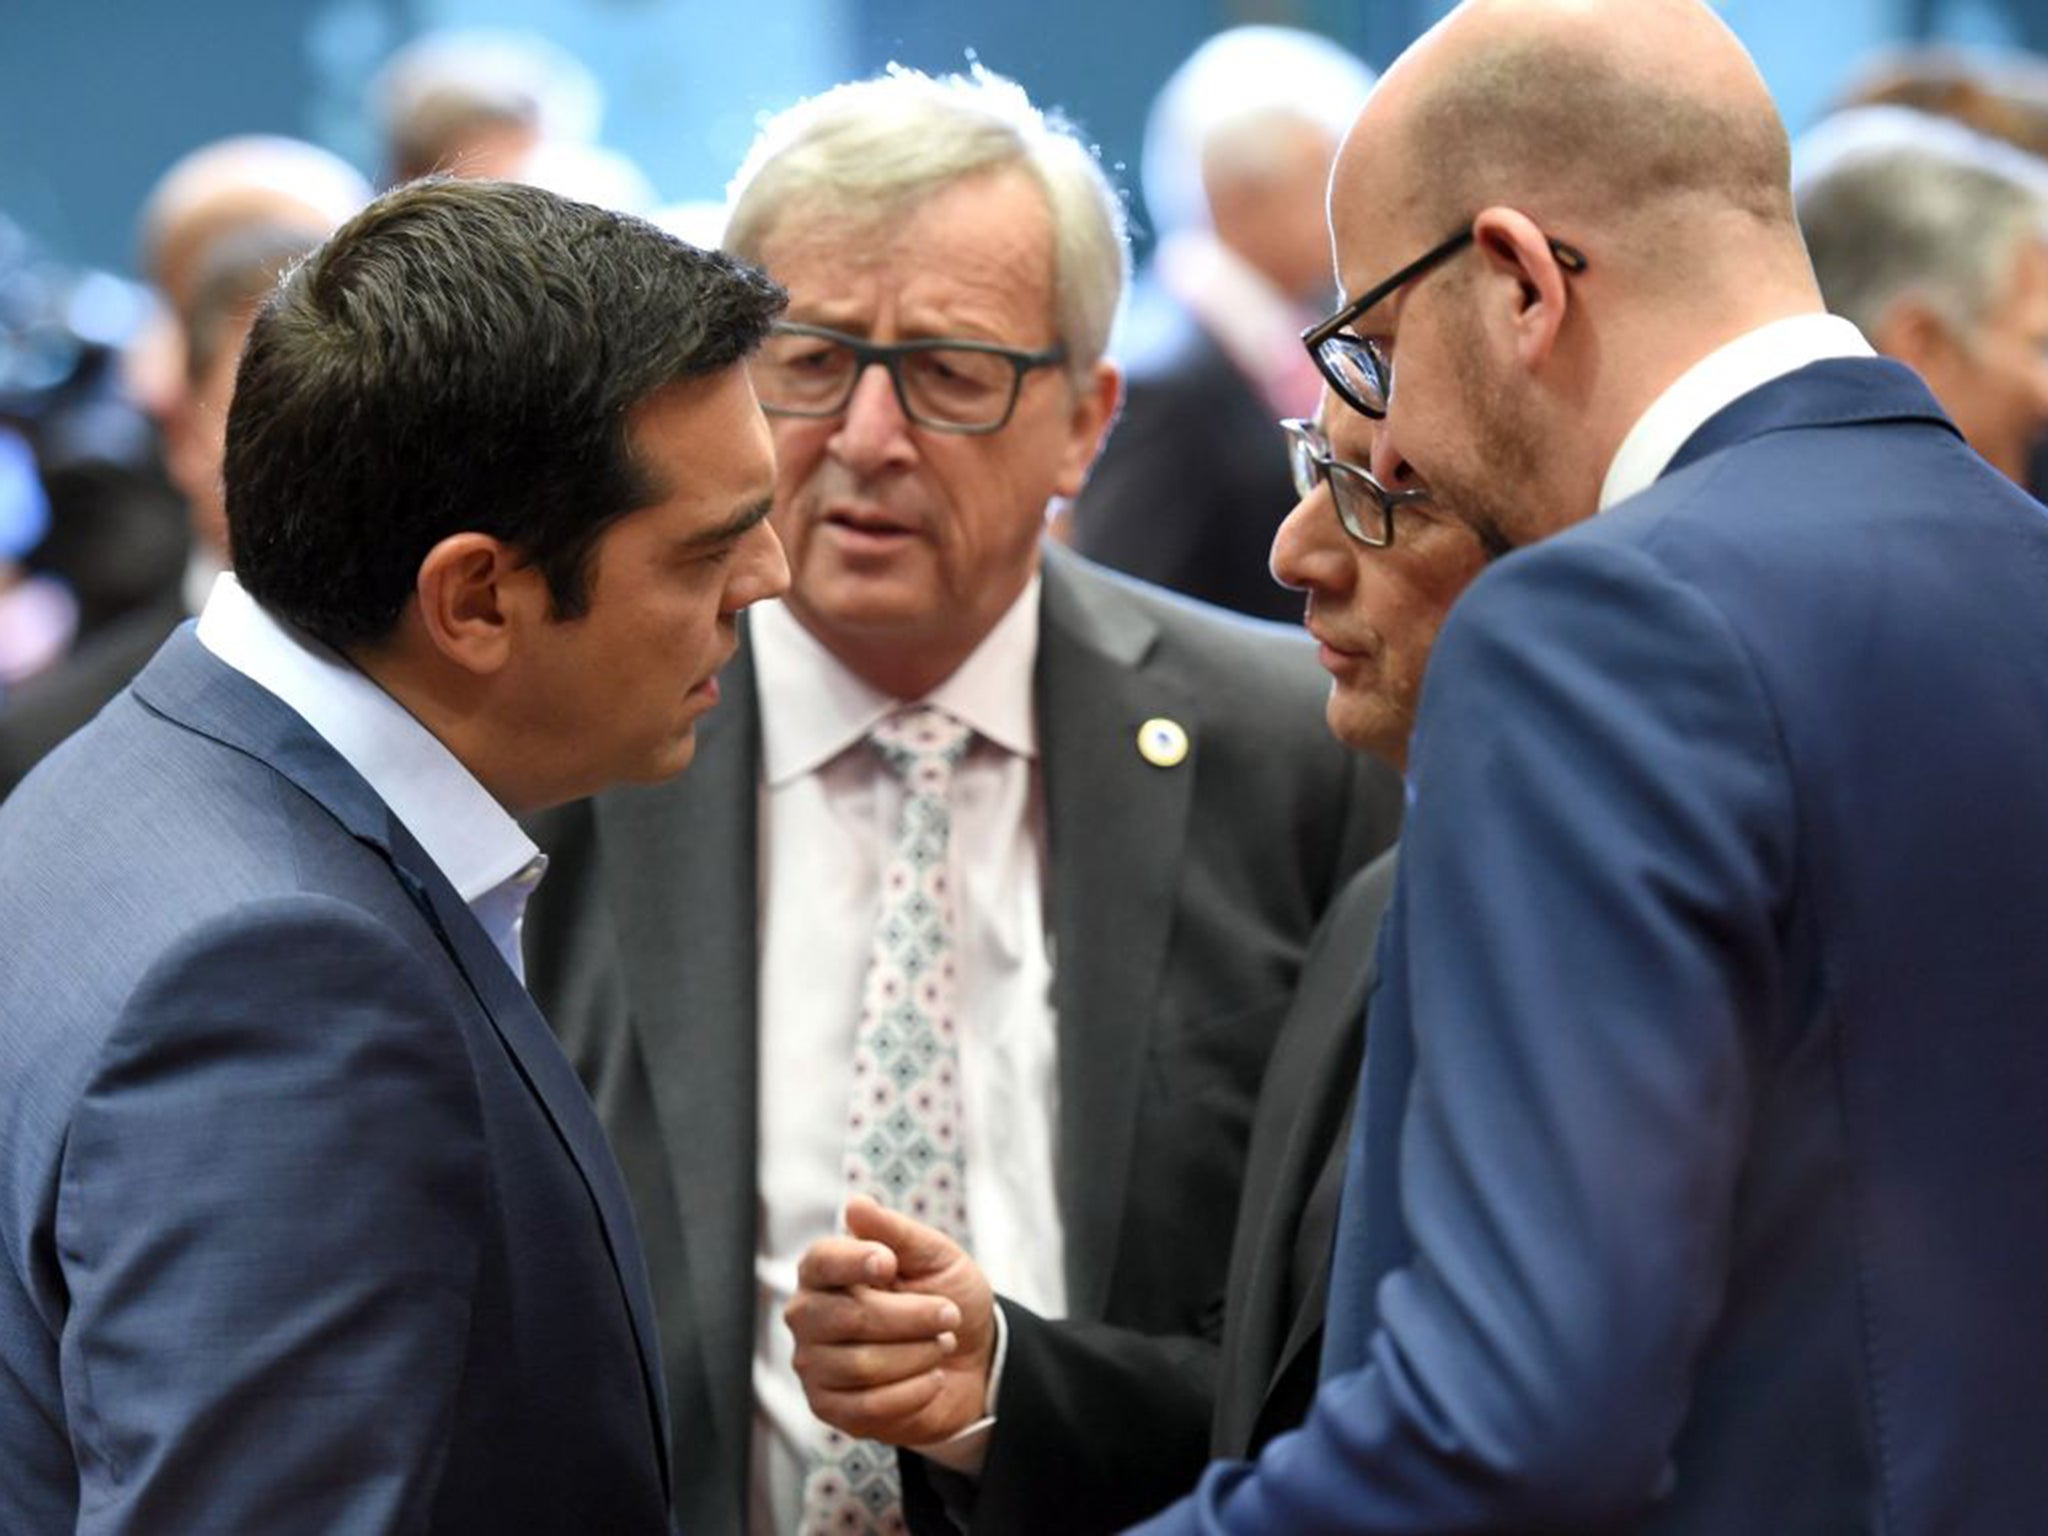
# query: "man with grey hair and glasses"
997 872
1934 241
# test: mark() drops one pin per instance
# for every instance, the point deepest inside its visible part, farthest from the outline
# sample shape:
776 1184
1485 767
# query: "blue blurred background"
97 97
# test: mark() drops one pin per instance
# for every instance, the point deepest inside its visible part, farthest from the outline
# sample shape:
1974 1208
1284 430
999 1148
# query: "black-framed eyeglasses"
1358 367
1365 508
949 386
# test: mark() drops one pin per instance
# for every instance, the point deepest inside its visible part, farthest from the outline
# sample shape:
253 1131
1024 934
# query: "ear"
475 593
1094 408
1910 330
1533 286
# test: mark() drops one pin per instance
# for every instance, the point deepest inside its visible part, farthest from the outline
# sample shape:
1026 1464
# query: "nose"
873 432
1387 463
761 570
1305 553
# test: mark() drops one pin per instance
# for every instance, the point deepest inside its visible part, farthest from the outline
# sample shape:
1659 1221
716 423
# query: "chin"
661 764
679 756
866 606
1368 728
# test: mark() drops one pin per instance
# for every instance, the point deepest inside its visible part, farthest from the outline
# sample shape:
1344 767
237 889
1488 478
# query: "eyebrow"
733 528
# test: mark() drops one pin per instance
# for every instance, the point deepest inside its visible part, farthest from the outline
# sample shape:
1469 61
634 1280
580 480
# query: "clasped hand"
895 1329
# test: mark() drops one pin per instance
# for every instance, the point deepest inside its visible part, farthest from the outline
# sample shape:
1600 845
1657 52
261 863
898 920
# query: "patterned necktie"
903 1139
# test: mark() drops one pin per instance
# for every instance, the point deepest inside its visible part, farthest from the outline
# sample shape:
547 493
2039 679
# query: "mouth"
868 527
1334 656
705 692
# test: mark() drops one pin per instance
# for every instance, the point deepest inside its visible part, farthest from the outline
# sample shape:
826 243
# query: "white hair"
1222 106
867 151
1895 203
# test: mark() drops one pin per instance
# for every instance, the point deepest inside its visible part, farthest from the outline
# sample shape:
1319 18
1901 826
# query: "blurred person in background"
207 194
118 536
996 873
2002 92
105 532
478 102
1934 241
1192 483
230 283
481 102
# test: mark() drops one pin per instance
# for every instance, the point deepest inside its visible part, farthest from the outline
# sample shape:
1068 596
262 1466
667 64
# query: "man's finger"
919 1249
898 1413
866 1367
834 1263
864 1315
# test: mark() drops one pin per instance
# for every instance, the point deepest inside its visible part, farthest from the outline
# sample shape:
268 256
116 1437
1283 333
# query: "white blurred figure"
481 102
477 102
1194 481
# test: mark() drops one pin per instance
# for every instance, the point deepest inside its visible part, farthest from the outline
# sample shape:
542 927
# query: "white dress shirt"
1720 378
472 840
829 809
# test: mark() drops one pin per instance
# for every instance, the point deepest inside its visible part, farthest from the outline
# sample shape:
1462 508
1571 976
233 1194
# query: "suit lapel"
684 897
1290 1198
553 1082
188 684
1116 827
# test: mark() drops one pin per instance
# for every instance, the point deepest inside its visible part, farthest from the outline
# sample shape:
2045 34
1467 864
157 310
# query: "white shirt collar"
813 708
469 836
1716 380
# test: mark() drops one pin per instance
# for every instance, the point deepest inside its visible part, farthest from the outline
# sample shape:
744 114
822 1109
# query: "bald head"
1629 116
1605 188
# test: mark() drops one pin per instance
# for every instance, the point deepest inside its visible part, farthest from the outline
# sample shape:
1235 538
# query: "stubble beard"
1496 489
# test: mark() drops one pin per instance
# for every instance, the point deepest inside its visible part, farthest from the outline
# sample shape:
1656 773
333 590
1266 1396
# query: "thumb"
919 1249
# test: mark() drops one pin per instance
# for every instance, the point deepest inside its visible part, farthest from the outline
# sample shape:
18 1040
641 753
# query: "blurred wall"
97 97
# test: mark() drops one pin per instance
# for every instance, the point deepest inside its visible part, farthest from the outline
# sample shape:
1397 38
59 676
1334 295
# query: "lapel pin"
1162 742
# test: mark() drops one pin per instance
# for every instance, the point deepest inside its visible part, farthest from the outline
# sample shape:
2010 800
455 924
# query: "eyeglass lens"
940 386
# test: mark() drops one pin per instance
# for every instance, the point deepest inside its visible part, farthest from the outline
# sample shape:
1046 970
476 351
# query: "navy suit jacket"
1700 1178
305 1223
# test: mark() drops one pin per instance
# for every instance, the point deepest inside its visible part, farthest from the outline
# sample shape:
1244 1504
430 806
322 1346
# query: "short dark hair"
462 356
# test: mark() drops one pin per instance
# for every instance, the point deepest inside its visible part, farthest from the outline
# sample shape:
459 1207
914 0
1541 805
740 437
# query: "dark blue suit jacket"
306 1225
1703 1167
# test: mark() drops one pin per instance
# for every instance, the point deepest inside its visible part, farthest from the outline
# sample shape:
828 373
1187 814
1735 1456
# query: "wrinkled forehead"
983 240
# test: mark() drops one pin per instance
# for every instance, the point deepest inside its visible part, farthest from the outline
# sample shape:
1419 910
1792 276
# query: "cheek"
799 451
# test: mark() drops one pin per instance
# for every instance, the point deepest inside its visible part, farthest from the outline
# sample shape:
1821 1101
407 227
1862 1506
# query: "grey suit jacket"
1102 1425
1183 900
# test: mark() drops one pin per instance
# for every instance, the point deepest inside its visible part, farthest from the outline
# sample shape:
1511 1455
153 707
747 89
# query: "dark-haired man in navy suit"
307 1225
